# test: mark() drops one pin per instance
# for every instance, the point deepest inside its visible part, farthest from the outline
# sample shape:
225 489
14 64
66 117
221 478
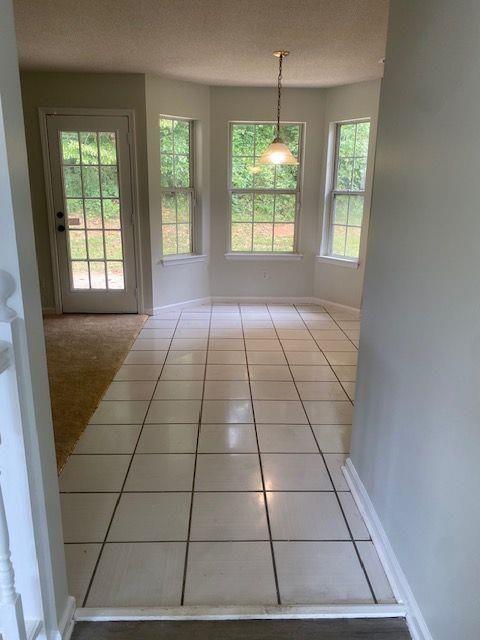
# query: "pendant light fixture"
277 151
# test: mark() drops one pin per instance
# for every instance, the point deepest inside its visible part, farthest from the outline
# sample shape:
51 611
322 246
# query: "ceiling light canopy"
277 151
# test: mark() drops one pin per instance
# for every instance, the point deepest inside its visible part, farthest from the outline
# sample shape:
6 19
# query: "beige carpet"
83 354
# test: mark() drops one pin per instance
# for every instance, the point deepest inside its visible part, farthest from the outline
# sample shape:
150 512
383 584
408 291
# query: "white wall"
264 277
340 283
416 438
180 282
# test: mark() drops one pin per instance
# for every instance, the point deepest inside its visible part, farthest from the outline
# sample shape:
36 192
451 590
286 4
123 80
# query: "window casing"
347 193
264 199
177 185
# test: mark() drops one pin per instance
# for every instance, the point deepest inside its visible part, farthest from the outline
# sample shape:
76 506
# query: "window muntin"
264 199
176 183
348 192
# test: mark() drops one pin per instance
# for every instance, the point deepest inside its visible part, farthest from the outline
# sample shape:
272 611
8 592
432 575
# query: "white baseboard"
398 581
242 612
177 305
65 625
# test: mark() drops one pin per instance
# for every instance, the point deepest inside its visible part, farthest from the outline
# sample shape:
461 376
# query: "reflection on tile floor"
211 471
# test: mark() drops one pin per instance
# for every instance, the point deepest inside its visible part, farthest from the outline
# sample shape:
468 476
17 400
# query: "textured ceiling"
221 42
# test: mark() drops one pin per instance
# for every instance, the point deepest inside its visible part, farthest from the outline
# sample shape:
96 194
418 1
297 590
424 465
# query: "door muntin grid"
93 220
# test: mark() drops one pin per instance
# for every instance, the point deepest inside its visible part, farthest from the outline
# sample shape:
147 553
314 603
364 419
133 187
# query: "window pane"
241 237
169 214
183 238
242 207
340 209
346 147
183 207
75 213
352 248
264 135
242 176
242 139
290 134
93 213
108 148
355 211
111 214
80 275
166 171
263 176
181 136
95 245
166 135
91 182
88 146
359 171
344 174
363 133
72 182
263 208
262 237
285 206
78 247
115 275
97 275
113 245
338 240
70 147
109 182
169 239
283 237
286 177
182 171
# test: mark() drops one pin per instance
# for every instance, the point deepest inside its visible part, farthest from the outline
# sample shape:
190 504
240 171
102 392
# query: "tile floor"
211 472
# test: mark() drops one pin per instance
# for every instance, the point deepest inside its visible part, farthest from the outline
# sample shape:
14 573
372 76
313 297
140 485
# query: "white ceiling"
219 42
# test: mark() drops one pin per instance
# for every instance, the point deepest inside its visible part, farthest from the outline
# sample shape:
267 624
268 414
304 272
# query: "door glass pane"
93 209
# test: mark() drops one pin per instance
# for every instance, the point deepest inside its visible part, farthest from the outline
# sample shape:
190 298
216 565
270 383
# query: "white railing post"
12 622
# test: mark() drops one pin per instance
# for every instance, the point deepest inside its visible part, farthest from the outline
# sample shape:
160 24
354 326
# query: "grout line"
272 550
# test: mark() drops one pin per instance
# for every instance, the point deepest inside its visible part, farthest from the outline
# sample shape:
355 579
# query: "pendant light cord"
279 85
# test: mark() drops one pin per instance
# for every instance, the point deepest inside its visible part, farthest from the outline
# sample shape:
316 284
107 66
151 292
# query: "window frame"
297 192
190 190
333 159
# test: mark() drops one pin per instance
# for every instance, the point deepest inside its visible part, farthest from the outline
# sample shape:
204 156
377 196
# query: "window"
176 181
264 199
348 189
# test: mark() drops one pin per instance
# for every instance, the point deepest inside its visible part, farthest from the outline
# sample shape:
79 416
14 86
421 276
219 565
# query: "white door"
93 208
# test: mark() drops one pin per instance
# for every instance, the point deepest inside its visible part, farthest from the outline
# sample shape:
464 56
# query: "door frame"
43 113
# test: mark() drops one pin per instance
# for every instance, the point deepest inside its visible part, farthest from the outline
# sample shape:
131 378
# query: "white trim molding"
67 621
172 261
339 262
398 581
234 255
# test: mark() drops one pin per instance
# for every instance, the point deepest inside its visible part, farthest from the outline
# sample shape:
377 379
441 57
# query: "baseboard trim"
177 305
241 612
401 589
67 621
271 299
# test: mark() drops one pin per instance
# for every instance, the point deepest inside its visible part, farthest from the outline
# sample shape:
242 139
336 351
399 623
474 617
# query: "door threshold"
250 612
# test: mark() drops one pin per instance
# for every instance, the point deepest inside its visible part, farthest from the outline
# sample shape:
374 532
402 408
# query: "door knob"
59 214
61 227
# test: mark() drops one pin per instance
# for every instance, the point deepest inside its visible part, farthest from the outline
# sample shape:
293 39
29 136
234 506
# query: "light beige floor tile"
341 357
94 473
194 324
314 373
228 472
151 344
161 472
146 574
327 334
321 391
157 323
294 334
306 358
226 344
335 462
224 438
273 390
168 411
320 573
350 389
269 372
329 412
86 516
190 334
189 344
376 574
80 561
227 390
120 412
179 390
225 333
155 332
308 515
145 357
353 516
186 357
227 411
345 373
151 517
168 438
266 358
282 438
230 573
226 372
108 438
138 372
253 344
279 412
226 357
183 372
336 345
130 390
229 516
260 333
295 472
300 346
333 438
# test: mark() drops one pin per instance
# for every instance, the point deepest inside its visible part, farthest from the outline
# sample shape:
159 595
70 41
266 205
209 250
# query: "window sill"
263 256
171 261
340 262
